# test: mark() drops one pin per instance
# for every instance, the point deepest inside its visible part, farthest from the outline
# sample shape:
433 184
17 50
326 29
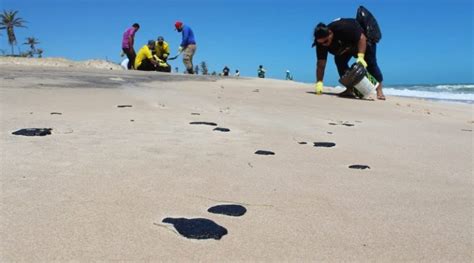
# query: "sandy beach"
98 187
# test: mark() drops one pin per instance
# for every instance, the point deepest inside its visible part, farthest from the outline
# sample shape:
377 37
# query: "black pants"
146 66
131 57
370 57
163 67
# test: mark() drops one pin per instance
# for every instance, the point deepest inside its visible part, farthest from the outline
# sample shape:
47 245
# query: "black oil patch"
262 152
33 132
302 143
195 113
56 113
124 106
329 132
197 228
221 129
348 124
359 166
203 123
324 144
228 210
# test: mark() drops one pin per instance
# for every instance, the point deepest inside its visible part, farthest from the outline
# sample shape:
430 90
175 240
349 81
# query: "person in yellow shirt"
162 52
145 60
162 49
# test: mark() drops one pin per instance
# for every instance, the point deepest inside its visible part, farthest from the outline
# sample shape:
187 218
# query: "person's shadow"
332 94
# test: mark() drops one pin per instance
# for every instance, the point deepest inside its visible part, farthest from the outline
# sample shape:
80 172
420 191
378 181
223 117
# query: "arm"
185 37
320 68
362 45
130 42
167 51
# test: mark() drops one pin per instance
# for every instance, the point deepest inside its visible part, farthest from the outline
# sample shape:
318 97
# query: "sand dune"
99 187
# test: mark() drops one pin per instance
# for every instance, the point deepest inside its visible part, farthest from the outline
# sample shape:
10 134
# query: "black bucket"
353 76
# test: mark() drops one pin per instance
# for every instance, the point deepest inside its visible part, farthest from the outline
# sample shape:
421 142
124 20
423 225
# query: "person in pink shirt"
127 44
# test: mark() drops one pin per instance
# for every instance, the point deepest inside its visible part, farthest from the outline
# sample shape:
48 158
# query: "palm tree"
204 68
39 51
32 41
9 21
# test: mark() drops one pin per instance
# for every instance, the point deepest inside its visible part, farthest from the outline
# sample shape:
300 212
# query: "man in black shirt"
345 38
226 71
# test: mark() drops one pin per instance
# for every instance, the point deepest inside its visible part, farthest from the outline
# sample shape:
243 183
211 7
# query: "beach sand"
98 187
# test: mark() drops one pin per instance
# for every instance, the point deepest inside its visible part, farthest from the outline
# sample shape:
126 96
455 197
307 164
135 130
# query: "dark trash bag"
369 24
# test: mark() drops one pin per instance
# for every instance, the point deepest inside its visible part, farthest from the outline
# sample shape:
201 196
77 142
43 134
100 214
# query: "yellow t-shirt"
144 53
162 51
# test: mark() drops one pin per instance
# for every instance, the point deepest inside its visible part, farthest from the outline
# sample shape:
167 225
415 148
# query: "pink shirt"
129 33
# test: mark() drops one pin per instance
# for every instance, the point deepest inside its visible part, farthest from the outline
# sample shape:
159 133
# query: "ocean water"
445 92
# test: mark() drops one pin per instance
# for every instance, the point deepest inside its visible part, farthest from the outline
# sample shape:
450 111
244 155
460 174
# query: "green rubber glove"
319 87
361 60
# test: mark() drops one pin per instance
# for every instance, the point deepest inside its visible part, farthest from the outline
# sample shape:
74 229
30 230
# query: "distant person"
188 45
225 71
237 73
345 38
261 72
145 60
127 44
162 52
288 75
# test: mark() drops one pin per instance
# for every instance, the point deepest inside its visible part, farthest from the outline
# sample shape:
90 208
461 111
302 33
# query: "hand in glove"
361 60
319 87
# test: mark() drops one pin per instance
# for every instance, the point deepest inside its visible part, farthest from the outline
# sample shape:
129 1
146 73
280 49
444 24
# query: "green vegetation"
9 21
204 69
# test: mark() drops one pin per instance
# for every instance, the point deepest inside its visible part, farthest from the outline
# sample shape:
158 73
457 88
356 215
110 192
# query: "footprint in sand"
197 228
324 144
203 123
359 166
33 132
263 152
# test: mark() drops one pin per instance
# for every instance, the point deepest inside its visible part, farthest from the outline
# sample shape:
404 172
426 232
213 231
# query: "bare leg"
380 95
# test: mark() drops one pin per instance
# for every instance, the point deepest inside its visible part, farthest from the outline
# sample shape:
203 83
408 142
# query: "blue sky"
424 42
